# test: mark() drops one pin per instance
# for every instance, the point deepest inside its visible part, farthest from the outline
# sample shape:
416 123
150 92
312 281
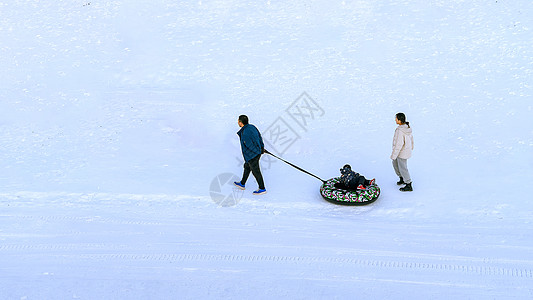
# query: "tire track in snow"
510 272
60 247
84 219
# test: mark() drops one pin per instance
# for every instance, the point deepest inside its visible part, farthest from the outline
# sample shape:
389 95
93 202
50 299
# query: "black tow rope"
266 151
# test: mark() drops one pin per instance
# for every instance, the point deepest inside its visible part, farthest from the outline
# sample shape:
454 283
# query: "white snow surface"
118 142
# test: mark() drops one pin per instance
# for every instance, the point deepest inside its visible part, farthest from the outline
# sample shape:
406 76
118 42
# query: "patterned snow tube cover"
348 197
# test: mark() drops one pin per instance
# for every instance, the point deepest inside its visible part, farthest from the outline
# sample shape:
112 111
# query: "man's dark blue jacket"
251 142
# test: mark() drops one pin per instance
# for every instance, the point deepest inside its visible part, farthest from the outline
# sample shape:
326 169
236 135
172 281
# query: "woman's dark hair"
401 118
243 119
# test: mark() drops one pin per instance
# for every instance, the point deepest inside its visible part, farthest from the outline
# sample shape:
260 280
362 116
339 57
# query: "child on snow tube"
351 180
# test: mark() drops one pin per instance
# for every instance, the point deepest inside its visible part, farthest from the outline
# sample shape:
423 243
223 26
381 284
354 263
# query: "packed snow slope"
118 147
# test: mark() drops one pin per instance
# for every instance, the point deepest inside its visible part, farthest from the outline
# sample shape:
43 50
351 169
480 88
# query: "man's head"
243 120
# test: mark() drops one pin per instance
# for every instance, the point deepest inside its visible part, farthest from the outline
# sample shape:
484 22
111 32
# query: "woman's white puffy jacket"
403 142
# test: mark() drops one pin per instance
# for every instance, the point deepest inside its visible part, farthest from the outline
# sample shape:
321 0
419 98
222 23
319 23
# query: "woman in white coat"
402 148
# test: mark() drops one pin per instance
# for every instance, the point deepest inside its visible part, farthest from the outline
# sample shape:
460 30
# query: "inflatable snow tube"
348 197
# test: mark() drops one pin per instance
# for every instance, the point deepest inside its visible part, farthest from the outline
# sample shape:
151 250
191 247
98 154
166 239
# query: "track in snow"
137 238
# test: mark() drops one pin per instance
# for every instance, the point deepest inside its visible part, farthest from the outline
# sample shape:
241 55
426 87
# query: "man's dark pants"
253 166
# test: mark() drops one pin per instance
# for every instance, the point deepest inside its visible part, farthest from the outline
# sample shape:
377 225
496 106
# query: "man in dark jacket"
252 147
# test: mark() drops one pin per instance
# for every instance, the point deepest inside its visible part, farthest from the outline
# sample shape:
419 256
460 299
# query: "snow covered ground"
118 124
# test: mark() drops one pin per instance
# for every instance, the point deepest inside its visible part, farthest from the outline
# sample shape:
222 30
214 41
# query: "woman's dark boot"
400 182
407 188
